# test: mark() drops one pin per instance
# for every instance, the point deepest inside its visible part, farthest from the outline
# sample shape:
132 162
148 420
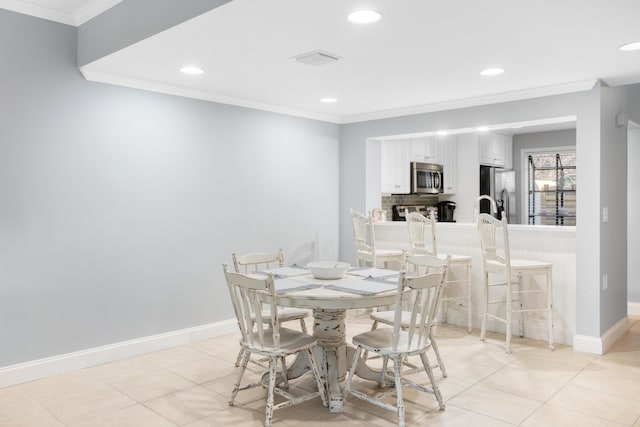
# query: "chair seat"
519 266
456 259
291 341
285 314
388 253
387 317
380 341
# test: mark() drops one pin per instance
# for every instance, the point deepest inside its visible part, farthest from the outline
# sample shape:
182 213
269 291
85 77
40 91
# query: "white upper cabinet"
426 149
494 148
448 148
395 167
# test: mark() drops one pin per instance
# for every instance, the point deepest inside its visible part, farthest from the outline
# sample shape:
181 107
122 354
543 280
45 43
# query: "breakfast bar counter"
536 242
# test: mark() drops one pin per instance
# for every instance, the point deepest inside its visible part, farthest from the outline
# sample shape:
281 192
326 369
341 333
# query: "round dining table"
329 300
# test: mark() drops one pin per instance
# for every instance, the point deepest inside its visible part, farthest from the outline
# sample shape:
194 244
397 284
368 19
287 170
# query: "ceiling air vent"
317 57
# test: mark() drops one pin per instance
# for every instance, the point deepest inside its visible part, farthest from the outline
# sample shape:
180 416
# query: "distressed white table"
329 304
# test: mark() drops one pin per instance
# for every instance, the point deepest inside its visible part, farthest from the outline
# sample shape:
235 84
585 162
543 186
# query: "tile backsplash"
406 199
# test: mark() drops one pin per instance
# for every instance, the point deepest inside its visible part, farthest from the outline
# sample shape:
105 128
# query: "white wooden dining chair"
409 336
268 339
257 261
422 238
497 261
365 242
415 265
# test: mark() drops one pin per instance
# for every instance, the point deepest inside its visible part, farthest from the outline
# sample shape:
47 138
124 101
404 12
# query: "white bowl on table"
328 270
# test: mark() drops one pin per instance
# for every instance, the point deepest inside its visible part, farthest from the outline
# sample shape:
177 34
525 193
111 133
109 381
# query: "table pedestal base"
332 355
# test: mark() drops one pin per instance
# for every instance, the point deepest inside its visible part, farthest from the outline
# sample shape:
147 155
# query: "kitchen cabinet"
395 167
448 149
493 148
426 149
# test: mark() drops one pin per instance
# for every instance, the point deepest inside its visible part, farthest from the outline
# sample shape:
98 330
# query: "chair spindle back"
422 233
250 263
424 288
248 294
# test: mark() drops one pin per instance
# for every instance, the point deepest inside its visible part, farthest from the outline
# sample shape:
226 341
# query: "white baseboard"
29 371
599 345
633 308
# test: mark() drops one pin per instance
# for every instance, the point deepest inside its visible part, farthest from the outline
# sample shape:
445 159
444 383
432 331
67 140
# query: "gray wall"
119 206
613 195
527 141
633 207
628 103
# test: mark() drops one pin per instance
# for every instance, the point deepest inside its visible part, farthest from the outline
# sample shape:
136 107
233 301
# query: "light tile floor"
190 386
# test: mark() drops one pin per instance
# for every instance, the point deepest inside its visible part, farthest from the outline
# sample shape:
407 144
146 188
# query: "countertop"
525 227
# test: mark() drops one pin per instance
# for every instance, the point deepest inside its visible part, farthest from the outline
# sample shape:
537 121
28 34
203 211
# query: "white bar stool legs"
463 265
530 270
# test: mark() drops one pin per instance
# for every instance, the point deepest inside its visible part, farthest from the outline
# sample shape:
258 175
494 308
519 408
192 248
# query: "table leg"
330 330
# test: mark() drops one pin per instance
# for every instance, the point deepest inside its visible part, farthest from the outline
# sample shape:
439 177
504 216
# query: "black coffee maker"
445 211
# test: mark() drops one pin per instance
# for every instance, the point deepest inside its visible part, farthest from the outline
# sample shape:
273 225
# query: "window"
551 184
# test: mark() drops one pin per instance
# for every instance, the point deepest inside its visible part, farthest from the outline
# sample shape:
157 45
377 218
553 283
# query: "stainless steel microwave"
426 178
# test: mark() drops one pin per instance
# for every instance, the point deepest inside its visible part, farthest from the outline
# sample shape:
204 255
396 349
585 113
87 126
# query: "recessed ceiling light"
364 17
630 46
492 72
191 70
328 100
483 128
443 132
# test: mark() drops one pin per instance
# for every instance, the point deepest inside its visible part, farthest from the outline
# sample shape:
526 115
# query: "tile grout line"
557 391
584 388
37 402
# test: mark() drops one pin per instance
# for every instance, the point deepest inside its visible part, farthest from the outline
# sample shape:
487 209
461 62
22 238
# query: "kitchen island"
536 242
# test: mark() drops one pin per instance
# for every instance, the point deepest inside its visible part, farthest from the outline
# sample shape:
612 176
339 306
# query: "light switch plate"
605 282
605 214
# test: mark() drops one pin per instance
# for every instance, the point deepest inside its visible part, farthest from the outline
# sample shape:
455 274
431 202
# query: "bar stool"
422 237
496 257
365 239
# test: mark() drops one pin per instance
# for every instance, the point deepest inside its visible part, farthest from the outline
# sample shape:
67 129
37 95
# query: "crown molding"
38 11
93 9
133 82
475 101
137 83
75 18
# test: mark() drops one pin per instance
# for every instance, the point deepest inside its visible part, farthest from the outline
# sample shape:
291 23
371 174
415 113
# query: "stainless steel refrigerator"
500 185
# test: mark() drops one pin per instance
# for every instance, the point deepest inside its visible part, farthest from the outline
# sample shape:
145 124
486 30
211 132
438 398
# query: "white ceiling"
422 55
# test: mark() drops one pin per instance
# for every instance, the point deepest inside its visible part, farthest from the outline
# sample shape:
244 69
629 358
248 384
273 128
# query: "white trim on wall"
76 18
518 95
633 308
599 345
136 83
92 9
36 369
